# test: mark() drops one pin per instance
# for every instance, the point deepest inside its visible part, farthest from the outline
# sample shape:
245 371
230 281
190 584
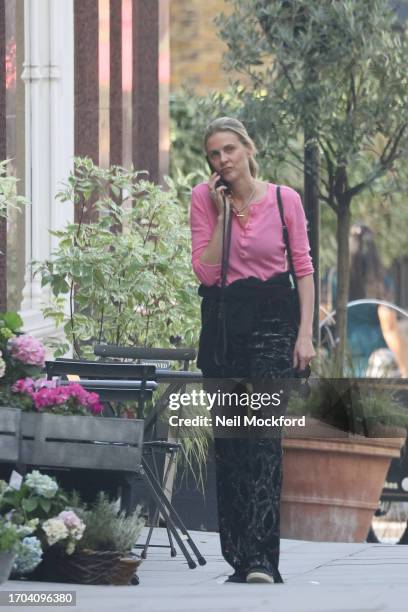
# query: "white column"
48 75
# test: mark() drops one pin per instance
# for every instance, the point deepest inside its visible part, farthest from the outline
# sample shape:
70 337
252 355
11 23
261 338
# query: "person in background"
371 327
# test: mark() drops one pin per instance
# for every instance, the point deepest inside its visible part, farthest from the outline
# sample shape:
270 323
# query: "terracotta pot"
331 486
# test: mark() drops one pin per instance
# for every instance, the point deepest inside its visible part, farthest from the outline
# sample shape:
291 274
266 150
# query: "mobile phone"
221 181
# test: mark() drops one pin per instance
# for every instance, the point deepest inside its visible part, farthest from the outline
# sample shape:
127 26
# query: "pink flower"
27 349
75 526
95 405
70 518
43 382
69 399
23 385
88 399
45 397
75 390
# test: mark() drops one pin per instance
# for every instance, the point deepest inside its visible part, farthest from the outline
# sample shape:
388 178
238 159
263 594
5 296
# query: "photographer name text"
237 421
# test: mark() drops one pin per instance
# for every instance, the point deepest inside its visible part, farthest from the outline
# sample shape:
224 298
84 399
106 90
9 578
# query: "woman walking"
246 233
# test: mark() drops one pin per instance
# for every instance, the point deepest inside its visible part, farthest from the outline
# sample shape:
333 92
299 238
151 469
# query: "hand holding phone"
223 183
220 182
218 192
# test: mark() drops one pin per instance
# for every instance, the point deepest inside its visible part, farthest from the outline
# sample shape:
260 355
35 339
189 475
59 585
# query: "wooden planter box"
81 442
331 486
9 434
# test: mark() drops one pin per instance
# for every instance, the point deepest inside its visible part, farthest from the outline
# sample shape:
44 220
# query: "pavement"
319 577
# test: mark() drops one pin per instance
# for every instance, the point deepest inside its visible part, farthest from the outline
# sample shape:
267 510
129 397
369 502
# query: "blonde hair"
230 124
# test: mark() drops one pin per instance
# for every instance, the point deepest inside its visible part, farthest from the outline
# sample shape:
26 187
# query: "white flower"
41 483
2 366
55 530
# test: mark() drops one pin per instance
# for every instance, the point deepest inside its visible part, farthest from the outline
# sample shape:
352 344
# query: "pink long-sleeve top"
258 248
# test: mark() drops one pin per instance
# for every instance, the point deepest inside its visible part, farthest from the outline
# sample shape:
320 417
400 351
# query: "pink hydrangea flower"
70 519
27 349
23 385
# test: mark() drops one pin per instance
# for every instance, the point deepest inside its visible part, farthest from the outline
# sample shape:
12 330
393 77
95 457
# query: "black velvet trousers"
249 462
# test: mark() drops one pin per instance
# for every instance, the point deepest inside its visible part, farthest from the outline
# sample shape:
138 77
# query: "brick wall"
195 49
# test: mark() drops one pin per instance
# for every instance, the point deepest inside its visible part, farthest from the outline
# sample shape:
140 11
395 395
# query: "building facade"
78 78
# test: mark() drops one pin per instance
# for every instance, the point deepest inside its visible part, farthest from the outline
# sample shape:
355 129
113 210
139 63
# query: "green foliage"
128 272
11 321
10 537
350 404
27 504
8 191
338 66
106 529
385 211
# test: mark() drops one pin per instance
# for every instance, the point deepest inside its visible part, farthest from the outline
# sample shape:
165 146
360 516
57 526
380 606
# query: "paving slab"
319 577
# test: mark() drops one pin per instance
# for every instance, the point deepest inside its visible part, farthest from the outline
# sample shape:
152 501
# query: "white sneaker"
259 576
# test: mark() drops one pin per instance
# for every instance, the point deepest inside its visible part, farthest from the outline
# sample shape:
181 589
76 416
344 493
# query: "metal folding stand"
171 449
171 517
176 381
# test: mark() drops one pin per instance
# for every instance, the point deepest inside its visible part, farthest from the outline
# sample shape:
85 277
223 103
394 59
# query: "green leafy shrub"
127 274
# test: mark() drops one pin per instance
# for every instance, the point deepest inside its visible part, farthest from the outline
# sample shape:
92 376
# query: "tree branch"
353 191
387 157
295 154
331 175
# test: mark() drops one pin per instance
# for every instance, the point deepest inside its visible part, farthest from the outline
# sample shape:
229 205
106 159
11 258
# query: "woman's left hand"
303 352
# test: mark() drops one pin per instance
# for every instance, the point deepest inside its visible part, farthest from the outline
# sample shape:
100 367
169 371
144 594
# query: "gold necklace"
239 211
